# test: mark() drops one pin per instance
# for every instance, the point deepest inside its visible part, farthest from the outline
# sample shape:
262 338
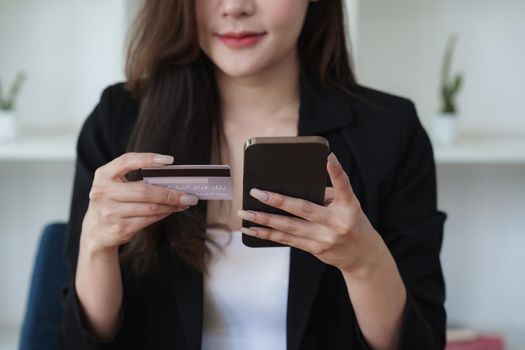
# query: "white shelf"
470 149
483 148
42 147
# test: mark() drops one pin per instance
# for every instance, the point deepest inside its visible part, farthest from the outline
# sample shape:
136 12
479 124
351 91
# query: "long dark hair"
180 107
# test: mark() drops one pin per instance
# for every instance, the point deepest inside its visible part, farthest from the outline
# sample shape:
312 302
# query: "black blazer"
387 154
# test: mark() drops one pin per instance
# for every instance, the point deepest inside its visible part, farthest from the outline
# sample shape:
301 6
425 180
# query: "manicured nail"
188 200
248 231
246 215
163 159
260 195
333 159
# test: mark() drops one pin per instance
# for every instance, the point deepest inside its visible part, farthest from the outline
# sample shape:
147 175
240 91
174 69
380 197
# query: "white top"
245 295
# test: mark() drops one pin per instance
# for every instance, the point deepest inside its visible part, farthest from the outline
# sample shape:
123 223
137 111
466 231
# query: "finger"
280 237
288 224
329 195
130 161
297 206
340 180
129 209
139 191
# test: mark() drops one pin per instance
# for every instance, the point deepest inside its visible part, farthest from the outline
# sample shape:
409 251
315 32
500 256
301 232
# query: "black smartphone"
291 165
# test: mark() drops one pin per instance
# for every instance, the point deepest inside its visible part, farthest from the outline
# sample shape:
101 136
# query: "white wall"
70 50
482 256
401 44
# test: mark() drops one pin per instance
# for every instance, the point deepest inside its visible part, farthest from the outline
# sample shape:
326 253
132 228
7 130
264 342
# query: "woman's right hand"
118 209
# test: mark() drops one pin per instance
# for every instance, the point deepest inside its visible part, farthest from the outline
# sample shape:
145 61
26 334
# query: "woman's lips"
241 40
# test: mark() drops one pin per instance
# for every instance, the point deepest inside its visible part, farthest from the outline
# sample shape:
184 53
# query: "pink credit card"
208 182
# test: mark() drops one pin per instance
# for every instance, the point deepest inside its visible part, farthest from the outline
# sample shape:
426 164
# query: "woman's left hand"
338 232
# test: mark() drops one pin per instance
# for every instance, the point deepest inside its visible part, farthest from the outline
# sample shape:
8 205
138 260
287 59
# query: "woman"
153 268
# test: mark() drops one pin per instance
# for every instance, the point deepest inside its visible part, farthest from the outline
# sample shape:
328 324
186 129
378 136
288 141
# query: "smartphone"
291 165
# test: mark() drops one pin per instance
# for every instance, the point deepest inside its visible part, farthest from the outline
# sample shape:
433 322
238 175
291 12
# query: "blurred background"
69 50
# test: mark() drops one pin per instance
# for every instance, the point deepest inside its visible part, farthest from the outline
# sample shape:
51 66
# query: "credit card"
208 182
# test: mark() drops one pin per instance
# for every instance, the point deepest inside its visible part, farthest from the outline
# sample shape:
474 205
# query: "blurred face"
245 37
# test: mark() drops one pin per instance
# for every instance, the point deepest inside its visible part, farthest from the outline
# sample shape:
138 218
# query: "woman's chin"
241 70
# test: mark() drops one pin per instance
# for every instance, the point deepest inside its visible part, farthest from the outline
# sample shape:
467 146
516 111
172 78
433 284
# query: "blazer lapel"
321 111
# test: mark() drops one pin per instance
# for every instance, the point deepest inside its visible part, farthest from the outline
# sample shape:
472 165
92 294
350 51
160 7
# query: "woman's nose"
237 8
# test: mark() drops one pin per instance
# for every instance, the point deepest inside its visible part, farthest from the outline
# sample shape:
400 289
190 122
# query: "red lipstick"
241 39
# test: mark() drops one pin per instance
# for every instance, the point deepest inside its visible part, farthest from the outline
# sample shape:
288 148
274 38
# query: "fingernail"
246 215
163 159
333 159
249 231
260 195
188 200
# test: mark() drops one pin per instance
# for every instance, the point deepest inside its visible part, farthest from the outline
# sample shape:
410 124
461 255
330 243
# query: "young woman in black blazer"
361 271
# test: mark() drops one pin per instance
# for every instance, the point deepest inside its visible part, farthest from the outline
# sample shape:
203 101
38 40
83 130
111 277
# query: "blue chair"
41 326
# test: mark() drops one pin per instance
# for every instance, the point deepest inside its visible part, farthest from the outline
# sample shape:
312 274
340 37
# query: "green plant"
449 87
7 103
